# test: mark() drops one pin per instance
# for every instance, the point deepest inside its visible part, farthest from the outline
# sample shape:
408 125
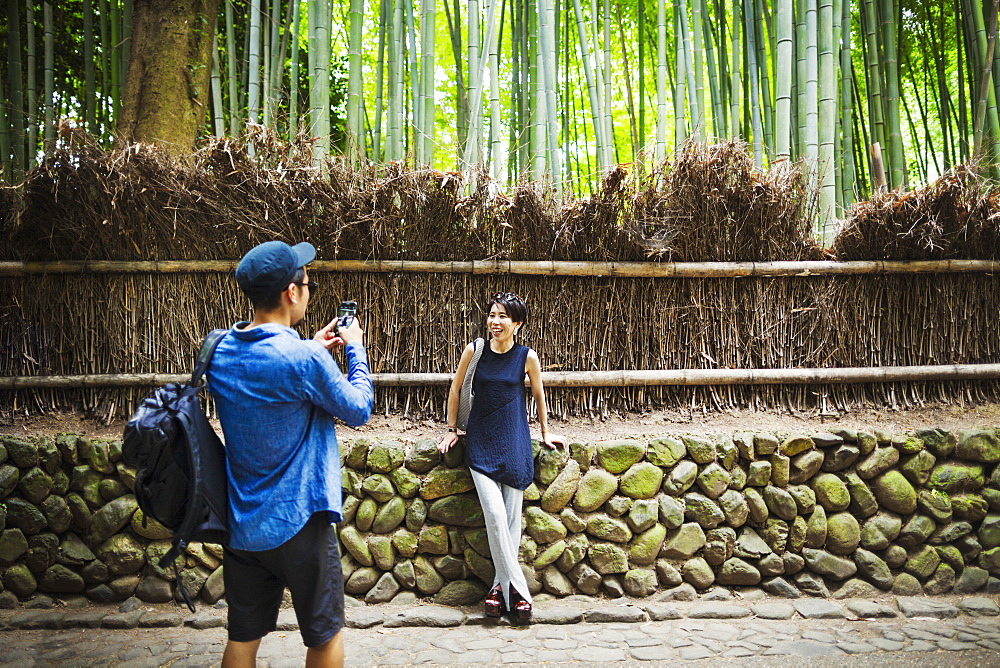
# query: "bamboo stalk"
528 268
619 378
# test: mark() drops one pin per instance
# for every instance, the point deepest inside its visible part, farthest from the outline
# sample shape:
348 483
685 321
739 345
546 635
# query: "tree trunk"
167 87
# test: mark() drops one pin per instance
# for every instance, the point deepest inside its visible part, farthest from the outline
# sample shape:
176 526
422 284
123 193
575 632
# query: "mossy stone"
531 493
87 481
386 455
956 477
816 529
640 582
422 457
726 453
992 497
734 508
874 569
361 580
941 582
831 492
863 501
542 526
641 481
111 489
713 480
445 482
608 528
794 445
365 515
572 521
780 502
978 445
550 554
416 514
765 444
840 457
989 531
433 540
680 478
698 573
906 585
990 560
562 487
703 510
618 456
699 449
100 457
405 481
549 464
917 468
596 486
642 514
950 555
895 493
804 466
19 580
756 505
389 516
405 542
739 480
382 552
775 533
13 544
949 533
460 510
939 442
665 451
350 482
781 467
720 544
379 487
56 512
916 530
880 530
671 511
481 566
576 550
907 444
122 554
646 546
829 565
797 534
583 453
805 498
843 533
355 543
23 453
894 556
148 527
922 562
971 507
607 558
357 453
759 473
35 484
878 462
735 571
24 515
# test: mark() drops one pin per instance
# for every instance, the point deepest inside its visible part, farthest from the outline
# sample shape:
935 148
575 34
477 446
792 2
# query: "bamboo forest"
862 93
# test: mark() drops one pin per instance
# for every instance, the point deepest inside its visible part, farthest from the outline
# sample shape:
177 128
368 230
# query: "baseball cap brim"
305 252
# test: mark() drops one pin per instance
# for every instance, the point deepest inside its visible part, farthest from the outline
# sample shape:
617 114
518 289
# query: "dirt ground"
654 423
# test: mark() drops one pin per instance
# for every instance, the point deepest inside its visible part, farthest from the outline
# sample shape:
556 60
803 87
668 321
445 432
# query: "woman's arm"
453 396
534 370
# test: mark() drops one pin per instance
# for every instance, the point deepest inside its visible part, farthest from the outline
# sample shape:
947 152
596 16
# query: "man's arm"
350 397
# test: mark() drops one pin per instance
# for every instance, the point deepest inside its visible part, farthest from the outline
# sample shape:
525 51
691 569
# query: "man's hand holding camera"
337 334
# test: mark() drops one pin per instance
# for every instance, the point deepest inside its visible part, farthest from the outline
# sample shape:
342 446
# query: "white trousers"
502 512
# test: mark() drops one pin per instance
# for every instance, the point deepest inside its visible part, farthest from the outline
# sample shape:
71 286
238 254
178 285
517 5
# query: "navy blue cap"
271 266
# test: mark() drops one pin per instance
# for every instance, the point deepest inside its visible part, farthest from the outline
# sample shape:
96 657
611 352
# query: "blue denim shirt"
277 396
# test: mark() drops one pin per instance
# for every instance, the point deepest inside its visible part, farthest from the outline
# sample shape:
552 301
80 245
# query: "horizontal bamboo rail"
584 378
536 268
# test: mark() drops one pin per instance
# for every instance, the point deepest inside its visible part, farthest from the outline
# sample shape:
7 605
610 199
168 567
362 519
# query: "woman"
498 444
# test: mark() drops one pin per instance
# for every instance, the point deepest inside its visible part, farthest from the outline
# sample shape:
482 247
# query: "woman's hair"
513 304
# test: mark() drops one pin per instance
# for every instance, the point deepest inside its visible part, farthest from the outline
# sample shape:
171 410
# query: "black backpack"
180 463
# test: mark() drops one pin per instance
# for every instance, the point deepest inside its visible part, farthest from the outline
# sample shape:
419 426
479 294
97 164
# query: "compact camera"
345 316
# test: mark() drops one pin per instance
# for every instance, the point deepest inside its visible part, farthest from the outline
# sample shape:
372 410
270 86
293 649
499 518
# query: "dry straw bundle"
709 203
956 217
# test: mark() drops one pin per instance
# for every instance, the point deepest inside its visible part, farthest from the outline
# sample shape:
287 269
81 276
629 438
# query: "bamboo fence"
698 268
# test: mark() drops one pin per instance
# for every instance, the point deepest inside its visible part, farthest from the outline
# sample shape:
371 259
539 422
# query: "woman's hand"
553 440
446 443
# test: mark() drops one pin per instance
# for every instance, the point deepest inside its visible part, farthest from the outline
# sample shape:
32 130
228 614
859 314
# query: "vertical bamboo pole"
31 90
48 100
812 88
427 32
105 52
6 162
609 134
827 120
735 73
784 27
846 107
232 73
253 84
897 163
355 139
15 104
641 27
493 58
754 90
115 58
89 70
217 114
474 139
414 97
699 115
377 152
588 71
546 31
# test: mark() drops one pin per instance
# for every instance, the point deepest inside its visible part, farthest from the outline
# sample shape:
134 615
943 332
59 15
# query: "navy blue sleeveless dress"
498 440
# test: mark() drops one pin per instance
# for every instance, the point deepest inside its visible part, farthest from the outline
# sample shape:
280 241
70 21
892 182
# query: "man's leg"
328 655
244 654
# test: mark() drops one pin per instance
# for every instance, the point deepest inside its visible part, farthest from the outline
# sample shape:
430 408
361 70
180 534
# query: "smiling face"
501 326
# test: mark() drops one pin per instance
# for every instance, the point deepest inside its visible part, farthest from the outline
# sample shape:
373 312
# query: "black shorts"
308 564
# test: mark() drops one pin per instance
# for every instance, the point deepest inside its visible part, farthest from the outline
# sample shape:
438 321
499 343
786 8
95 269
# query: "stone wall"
844 512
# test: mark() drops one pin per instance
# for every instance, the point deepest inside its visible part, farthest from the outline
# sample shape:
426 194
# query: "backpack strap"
204 356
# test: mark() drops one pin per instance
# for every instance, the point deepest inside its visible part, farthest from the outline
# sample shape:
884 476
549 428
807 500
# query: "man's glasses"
313 287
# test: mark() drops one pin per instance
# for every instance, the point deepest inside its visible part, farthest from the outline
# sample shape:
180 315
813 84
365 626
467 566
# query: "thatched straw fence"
119 261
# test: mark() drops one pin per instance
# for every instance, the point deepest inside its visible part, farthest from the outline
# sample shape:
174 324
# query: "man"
277 396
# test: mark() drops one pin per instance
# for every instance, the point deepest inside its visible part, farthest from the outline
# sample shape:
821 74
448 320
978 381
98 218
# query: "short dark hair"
273 300
513 304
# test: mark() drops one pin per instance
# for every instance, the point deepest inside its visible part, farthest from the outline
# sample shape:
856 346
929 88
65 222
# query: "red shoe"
494 603
521 610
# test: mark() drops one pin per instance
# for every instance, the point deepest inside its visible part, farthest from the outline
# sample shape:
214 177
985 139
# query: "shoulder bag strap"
204 356
466 394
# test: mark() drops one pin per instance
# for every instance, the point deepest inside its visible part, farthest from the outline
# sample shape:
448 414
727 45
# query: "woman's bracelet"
453 430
